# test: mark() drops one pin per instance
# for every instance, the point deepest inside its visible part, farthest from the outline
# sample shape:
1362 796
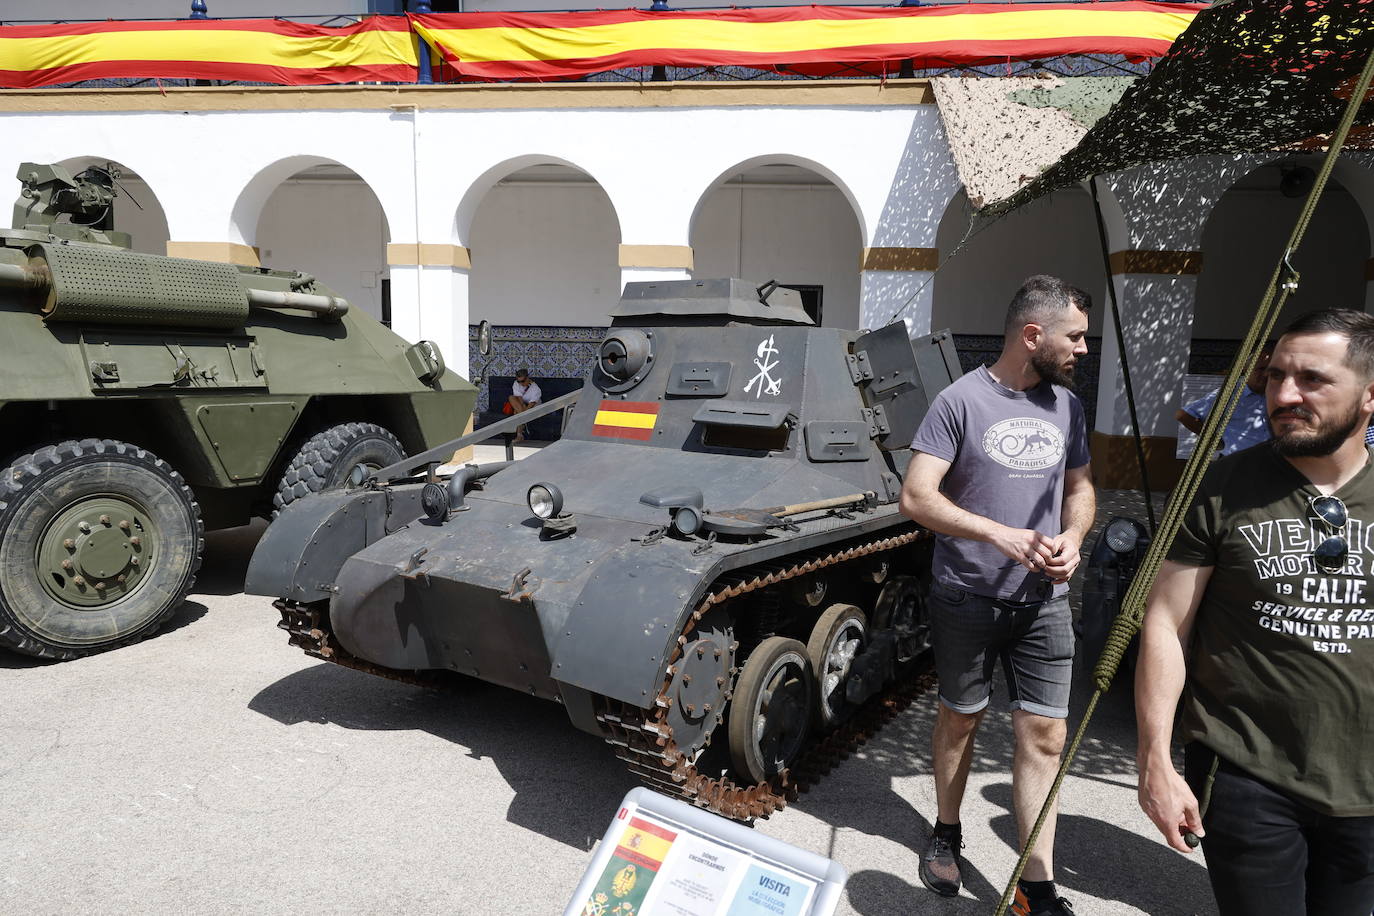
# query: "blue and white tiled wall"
548 352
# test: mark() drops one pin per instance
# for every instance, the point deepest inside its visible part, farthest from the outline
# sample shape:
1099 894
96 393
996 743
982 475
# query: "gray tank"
709 570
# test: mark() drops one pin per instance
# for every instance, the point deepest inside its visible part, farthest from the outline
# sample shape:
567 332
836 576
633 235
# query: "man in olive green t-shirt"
1262 619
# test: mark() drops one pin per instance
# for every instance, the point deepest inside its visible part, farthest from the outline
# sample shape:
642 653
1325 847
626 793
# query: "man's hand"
1026 546
1065 558
1166 798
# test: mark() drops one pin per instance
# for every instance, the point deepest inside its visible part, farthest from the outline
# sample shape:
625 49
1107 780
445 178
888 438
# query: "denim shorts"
1034 640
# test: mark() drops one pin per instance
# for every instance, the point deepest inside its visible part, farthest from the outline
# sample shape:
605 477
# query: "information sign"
662 857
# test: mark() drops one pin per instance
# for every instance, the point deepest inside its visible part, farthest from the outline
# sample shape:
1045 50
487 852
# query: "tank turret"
708 569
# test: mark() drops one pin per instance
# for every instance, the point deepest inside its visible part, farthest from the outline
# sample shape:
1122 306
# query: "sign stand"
663 857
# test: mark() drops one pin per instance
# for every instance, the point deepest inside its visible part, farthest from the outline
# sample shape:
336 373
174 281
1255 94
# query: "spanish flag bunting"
811 40
626 419
379 48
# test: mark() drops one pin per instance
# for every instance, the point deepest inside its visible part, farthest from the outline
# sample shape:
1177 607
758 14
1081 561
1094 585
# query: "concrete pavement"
214 769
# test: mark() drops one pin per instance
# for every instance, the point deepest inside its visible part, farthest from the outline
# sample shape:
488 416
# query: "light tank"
708 570
145 399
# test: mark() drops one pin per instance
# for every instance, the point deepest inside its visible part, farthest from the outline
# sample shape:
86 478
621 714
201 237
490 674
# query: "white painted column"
429 297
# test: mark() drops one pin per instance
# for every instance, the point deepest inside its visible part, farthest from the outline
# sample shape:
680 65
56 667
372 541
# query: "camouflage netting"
1248 76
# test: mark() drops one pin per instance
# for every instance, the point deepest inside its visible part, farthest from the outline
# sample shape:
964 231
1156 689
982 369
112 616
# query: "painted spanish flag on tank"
815 40
626 419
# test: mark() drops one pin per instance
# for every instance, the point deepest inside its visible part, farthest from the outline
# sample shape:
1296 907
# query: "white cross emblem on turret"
766 364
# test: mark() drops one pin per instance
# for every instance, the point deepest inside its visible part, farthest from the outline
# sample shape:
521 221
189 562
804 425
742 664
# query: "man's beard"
1322 441
1051 371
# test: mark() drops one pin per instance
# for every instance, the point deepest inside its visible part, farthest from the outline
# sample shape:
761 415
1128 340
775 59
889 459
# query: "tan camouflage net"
1248 76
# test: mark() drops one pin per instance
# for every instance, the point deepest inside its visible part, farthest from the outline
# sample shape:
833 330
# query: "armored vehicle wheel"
770 713
838 636
336 457
901 607
100 542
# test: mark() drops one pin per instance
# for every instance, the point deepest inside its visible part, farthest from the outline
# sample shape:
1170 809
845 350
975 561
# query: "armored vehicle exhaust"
708 570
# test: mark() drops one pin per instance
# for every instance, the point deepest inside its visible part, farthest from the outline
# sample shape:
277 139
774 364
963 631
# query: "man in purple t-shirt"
1000 472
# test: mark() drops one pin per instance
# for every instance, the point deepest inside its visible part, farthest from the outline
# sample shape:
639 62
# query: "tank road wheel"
338 456
901 607
771 709
837 638
99 543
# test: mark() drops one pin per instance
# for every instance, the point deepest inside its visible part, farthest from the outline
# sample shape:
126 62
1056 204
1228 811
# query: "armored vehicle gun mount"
145 399
709 569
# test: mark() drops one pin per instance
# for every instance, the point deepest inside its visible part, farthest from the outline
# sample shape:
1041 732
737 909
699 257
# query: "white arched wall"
1244 236
332 227
543 252
1055 235
803 232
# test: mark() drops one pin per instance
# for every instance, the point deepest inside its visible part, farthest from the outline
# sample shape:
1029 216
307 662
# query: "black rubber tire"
776 657
901 604
328 457
831 707
37 489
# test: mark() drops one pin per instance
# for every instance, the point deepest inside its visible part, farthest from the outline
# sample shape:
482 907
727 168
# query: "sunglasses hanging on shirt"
1331 553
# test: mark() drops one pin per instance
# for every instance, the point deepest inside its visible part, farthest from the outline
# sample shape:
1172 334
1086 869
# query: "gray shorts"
1034 640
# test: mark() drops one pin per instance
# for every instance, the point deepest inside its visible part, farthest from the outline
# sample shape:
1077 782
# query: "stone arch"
138 209
482 185
543 236
323 218
246 211
979 275
786 218
1243 237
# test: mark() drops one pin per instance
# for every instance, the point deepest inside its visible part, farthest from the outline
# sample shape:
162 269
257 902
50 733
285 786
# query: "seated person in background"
1249 425
525 394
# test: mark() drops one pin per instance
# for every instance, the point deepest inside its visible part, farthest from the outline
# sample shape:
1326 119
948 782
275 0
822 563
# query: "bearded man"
1262 619
1000 472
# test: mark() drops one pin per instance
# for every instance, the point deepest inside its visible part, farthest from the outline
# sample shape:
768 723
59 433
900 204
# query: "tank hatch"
715 301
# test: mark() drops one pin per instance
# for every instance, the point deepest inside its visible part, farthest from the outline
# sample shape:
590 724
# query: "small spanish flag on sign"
626 419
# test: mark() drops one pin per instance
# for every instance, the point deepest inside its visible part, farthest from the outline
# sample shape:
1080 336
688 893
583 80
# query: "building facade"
530 205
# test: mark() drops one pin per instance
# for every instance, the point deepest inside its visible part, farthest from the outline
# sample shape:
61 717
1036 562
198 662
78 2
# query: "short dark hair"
1356 327
1039 298
522 373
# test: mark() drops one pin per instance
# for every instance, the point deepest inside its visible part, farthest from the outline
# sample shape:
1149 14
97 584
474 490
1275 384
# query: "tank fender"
301 552
619 633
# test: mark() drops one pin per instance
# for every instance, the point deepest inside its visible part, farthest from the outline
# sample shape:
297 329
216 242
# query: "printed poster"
767 892
630 872
697 879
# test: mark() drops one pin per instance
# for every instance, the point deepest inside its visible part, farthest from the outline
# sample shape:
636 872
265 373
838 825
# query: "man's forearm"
1078 511
1159 676
938 512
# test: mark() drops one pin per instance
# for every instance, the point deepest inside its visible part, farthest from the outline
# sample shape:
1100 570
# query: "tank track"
643 739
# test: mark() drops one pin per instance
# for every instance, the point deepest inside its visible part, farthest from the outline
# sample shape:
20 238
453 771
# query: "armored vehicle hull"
145 399
708 570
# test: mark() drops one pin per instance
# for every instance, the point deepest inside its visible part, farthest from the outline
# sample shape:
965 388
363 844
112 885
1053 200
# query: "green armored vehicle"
145 399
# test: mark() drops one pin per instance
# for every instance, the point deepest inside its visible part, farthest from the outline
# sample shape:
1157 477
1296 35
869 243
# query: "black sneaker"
1054 906
939 869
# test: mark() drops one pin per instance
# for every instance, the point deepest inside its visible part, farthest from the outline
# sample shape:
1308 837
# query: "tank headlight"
546 500
434 500
686 520
1123 534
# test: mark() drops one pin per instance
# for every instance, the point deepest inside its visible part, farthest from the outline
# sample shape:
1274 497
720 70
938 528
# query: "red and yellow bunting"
626 419
814 39
254 50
